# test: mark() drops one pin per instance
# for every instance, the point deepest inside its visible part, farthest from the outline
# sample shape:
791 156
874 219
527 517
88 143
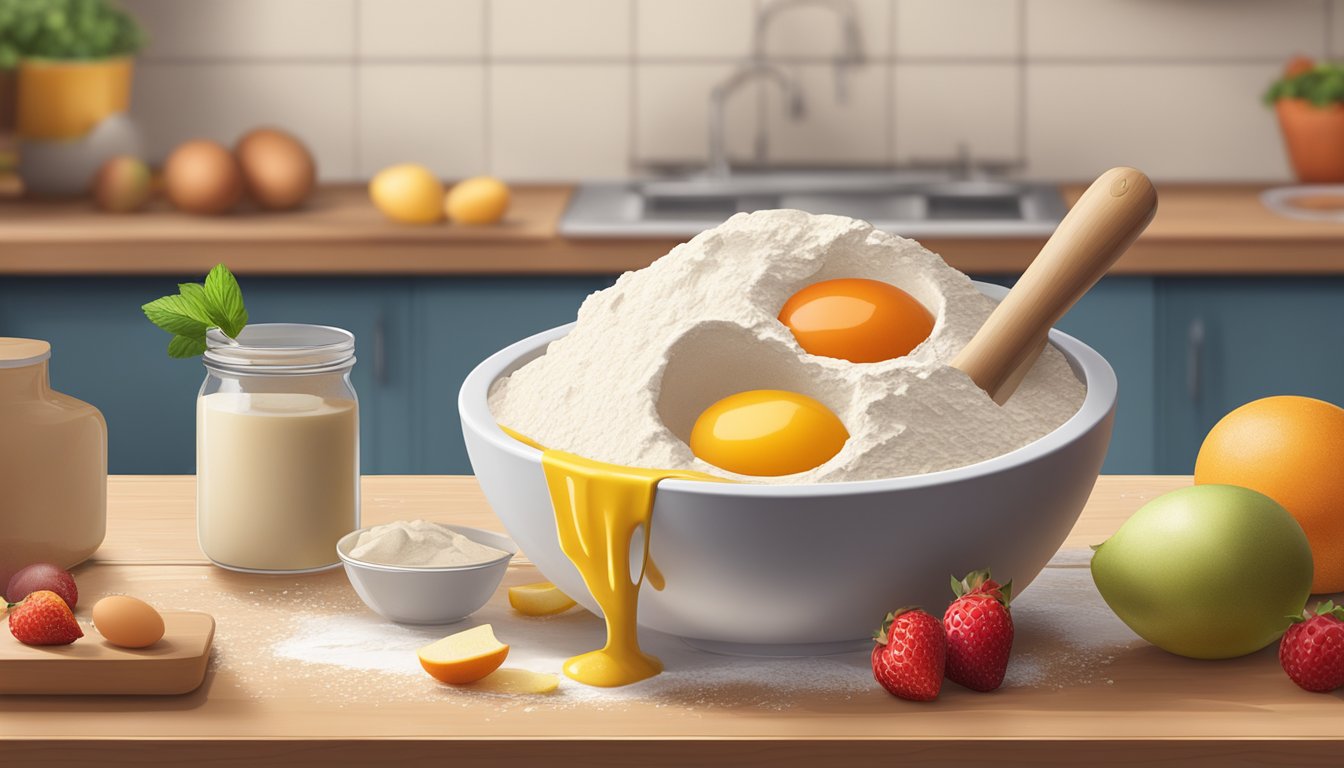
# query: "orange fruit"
1292 450
464 657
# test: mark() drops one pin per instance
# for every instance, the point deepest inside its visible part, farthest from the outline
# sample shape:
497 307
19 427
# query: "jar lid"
20 353
276 348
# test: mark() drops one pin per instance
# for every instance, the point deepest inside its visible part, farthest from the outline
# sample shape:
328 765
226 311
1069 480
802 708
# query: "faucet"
718 97
850 54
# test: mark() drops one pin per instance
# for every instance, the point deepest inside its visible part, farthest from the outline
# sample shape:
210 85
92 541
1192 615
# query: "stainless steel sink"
905 203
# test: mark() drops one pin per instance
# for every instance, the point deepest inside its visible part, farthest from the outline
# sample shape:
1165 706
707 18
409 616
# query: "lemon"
464 657
408 193
478 200
540 599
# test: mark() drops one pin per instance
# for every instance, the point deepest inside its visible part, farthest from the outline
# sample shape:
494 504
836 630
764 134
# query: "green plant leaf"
186 346
176 315
226 298
195 309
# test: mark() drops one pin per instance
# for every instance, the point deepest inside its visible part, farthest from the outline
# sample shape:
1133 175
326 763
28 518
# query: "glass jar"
277 448
53 466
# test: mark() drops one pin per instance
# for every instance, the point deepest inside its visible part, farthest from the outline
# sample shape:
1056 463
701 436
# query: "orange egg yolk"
767 433
863 321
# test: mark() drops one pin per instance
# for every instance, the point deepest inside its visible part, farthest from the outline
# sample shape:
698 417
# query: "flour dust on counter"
311 637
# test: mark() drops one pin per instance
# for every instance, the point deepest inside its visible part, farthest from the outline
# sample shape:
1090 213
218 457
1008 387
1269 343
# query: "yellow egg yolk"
855 319
767 433
598 509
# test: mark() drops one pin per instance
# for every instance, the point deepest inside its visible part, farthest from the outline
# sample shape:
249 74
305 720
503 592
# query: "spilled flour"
649 354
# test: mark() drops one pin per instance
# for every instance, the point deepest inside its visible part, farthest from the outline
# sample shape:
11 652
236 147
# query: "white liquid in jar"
278 478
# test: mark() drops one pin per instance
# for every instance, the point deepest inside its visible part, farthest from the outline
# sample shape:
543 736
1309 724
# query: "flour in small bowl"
420 543
649 354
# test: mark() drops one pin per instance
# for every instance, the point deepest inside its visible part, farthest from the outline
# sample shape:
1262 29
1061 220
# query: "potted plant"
1309 100
73 60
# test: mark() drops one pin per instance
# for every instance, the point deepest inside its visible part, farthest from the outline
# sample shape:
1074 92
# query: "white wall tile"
1175 122
1182 29
431 114
672 112
1337 28
430 28
175 102
967 29
855 131
567 121
814 31
579 29
238 29
938 107
693 28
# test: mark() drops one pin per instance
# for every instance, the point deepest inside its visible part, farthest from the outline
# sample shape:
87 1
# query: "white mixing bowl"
799 569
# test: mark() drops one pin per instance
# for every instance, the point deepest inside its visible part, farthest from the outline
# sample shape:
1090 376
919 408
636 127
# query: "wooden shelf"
1139 704
1199 230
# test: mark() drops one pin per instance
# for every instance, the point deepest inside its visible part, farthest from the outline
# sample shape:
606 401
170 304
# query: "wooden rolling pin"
1110 215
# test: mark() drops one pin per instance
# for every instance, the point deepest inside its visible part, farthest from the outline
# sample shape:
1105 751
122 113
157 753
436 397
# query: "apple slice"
464 657
540 599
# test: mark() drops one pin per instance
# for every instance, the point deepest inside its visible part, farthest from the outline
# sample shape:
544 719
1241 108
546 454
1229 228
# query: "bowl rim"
1098 403
510 548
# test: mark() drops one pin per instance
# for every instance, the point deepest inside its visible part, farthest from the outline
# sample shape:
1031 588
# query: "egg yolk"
767 433
863 321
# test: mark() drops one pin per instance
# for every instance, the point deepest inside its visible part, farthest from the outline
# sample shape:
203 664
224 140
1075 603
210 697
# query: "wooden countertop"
1199 229
1081 687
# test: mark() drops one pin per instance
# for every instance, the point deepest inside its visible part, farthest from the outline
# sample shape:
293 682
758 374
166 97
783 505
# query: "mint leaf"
198 303
196 309
226 297
185 346
175 315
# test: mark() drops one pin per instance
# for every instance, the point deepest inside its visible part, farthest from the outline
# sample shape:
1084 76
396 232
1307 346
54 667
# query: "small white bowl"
409 594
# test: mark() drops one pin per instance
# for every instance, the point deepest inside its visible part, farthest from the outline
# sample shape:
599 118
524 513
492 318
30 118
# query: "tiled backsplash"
567 89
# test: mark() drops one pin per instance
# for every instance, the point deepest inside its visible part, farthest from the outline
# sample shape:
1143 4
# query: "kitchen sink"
905 203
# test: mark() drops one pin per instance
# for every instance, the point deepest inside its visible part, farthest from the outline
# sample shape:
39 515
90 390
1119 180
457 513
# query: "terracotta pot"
8 97
66 99
1315 139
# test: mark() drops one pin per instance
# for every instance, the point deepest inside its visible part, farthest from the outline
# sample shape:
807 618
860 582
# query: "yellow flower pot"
66 99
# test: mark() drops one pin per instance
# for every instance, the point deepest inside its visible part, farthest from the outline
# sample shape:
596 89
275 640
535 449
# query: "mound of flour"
649 354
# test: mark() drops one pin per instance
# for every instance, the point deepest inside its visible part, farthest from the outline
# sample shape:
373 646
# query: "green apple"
1209 572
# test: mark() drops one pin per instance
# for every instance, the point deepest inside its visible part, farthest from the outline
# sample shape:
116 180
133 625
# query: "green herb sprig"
65 29
198 308
1322 85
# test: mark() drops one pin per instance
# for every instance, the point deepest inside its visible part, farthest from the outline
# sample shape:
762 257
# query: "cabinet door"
377 312
459 322
1116 318
1225 342
104 351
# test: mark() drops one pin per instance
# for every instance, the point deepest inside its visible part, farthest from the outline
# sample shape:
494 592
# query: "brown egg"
127 622
277 168
202 177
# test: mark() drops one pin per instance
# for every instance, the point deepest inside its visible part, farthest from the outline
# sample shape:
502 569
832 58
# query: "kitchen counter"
1199 229
1081 688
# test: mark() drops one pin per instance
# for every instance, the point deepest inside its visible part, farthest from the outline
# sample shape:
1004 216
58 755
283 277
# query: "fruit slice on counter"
517 681
464 657
540 599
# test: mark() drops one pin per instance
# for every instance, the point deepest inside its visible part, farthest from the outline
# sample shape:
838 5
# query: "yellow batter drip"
598 509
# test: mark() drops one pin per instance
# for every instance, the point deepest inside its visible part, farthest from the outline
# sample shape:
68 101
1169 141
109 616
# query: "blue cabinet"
1117 318
1186 351
1225 342
457 323
105 352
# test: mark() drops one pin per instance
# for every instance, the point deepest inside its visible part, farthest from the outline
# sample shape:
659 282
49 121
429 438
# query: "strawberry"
1312 650
909 655
979 632
43 618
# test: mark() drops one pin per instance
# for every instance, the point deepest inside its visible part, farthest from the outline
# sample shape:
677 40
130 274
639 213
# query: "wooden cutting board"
176 664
